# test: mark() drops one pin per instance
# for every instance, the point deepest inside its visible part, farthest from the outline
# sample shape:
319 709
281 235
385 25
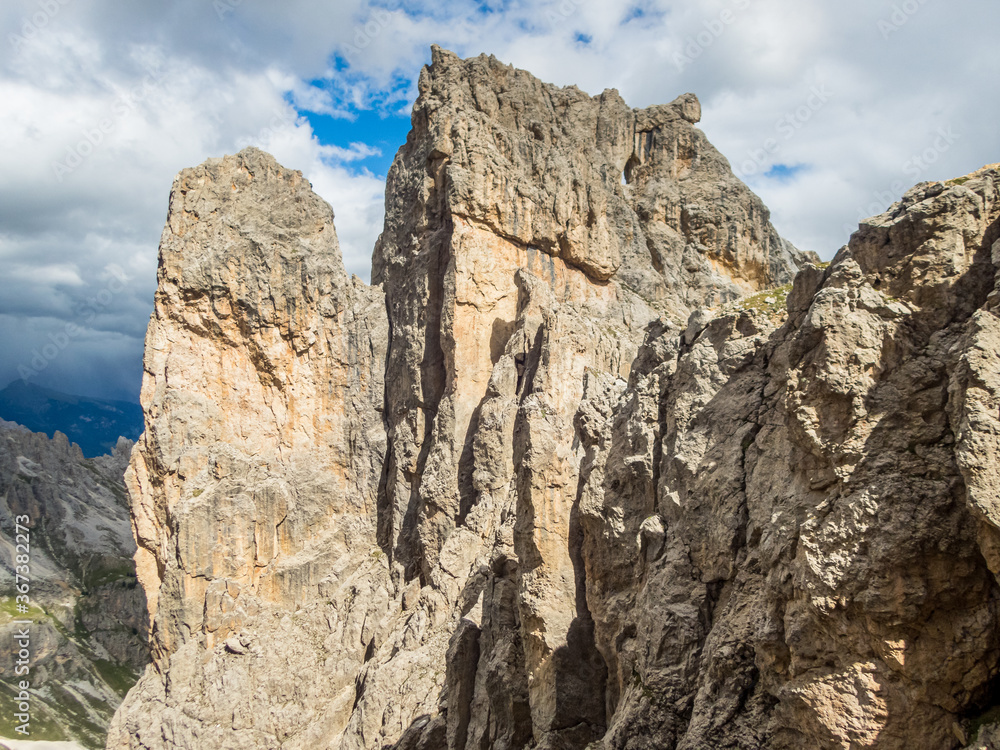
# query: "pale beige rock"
532 236
254 485
604 516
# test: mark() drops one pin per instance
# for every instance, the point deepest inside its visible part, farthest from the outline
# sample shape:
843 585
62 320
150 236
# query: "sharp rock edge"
525 491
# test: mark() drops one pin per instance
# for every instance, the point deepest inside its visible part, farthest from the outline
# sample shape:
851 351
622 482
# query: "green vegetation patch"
770 301
43 725
120 677
990 716
8 607
104 570
69 715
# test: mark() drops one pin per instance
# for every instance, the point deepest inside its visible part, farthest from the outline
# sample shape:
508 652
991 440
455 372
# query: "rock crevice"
525 492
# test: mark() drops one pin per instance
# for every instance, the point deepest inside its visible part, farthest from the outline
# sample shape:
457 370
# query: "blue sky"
382 132
828 111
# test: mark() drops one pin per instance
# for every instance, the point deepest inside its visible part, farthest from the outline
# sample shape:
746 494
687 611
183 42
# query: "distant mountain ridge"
93 424
88 614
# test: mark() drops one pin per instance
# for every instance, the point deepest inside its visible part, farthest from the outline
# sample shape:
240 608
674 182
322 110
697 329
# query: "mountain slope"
601 462
89 633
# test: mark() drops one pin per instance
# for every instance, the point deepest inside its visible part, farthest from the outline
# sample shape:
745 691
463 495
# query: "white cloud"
82 83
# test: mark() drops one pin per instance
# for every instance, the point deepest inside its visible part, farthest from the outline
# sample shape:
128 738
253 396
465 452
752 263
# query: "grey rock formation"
527 492
533 234
824 576
254 485
274 532
89 614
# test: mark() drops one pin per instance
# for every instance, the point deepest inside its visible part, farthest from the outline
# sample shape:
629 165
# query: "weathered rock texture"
806 562
527 499
533 235
254 486
88 637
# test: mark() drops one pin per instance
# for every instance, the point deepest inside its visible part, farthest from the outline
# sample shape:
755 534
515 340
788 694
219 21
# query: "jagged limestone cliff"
813 558
519 273
518 495
254 485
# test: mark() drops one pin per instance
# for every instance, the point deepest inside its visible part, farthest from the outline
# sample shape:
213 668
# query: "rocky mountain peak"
640 195
88 635
517 495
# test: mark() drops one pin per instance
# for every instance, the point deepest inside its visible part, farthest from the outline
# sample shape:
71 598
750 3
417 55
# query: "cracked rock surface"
525 491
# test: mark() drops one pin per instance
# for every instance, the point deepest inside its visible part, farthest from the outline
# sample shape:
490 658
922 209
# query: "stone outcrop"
526 491
533 235
254 485
88 615
806 561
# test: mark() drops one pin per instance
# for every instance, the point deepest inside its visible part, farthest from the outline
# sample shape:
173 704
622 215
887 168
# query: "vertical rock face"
422 566
507 499
254 486
806 556
532 236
